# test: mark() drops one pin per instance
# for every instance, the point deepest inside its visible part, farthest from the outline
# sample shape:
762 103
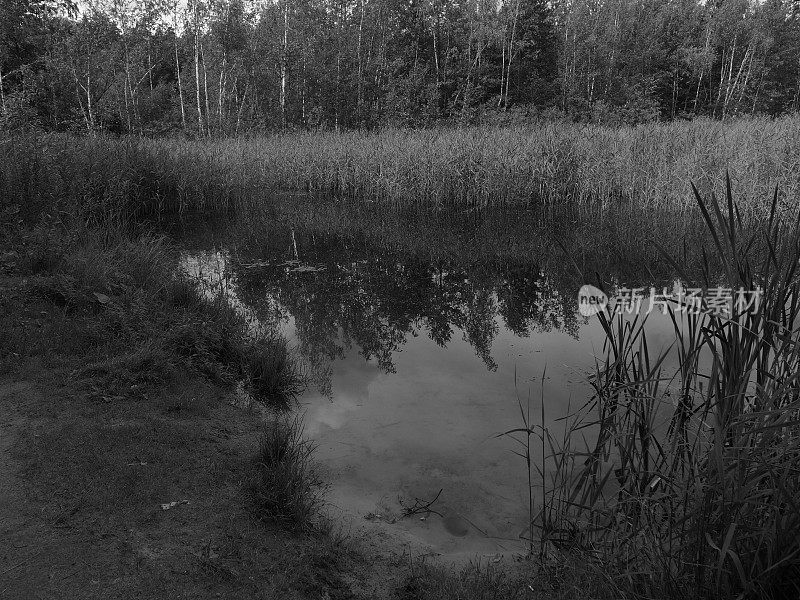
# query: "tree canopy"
212 67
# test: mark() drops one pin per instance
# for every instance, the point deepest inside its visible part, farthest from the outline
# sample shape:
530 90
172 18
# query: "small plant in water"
522 435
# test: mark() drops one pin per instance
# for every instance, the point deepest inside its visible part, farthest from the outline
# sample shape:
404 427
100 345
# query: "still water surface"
419 363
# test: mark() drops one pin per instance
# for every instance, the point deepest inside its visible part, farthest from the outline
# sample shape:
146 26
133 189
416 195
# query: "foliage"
222 68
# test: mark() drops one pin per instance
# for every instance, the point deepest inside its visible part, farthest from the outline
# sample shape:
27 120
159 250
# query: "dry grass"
648 166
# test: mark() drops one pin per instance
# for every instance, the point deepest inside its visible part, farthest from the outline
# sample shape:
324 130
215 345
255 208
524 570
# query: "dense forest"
211 67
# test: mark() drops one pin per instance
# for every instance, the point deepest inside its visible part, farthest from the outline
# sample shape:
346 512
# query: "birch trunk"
731 92
89 109
222 84
205 90
359 98
178 68
502 73
284 61
127 88
197 67
744 84
78 88
241 106
511 54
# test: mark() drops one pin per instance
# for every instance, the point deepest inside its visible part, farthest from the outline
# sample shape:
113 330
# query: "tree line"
210 67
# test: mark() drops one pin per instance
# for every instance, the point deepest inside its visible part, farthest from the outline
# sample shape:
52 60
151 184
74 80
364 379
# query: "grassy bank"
647 167
142 314
125 469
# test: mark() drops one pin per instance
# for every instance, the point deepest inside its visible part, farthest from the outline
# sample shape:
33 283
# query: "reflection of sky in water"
421 411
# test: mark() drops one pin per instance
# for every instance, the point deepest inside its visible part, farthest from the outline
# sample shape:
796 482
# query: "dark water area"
423 333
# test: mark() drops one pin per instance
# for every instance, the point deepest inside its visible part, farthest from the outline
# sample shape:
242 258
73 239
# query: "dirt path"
35 559
80 513
44 554
12 557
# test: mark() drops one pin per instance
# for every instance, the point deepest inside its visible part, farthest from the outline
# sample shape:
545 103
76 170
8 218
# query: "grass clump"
689 485
220 341
272 373
473 582
285 487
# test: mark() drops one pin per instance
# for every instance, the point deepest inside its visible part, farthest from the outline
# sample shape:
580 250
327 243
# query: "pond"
424 337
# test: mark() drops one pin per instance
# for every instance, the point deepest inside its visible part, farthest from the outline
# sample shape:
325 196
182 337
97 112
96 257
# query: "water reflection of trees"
375 298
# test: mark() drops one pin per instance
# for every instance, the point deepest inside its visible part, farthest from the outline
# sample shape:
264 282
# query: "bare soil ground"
84 472
81 494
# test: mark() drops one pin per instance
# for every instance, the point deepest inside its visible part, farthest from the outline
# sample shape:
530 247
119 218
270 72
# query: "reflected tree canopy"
371 278
341 294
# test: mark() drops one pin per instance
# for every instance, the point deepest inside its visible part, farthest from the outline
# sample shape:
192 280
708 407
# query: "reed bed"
115 182
647 167
689 485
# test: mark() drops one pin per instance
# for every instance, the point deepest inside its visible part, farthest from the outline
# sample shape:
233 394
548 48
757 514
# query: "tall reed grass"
690 483
112 183
647 166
